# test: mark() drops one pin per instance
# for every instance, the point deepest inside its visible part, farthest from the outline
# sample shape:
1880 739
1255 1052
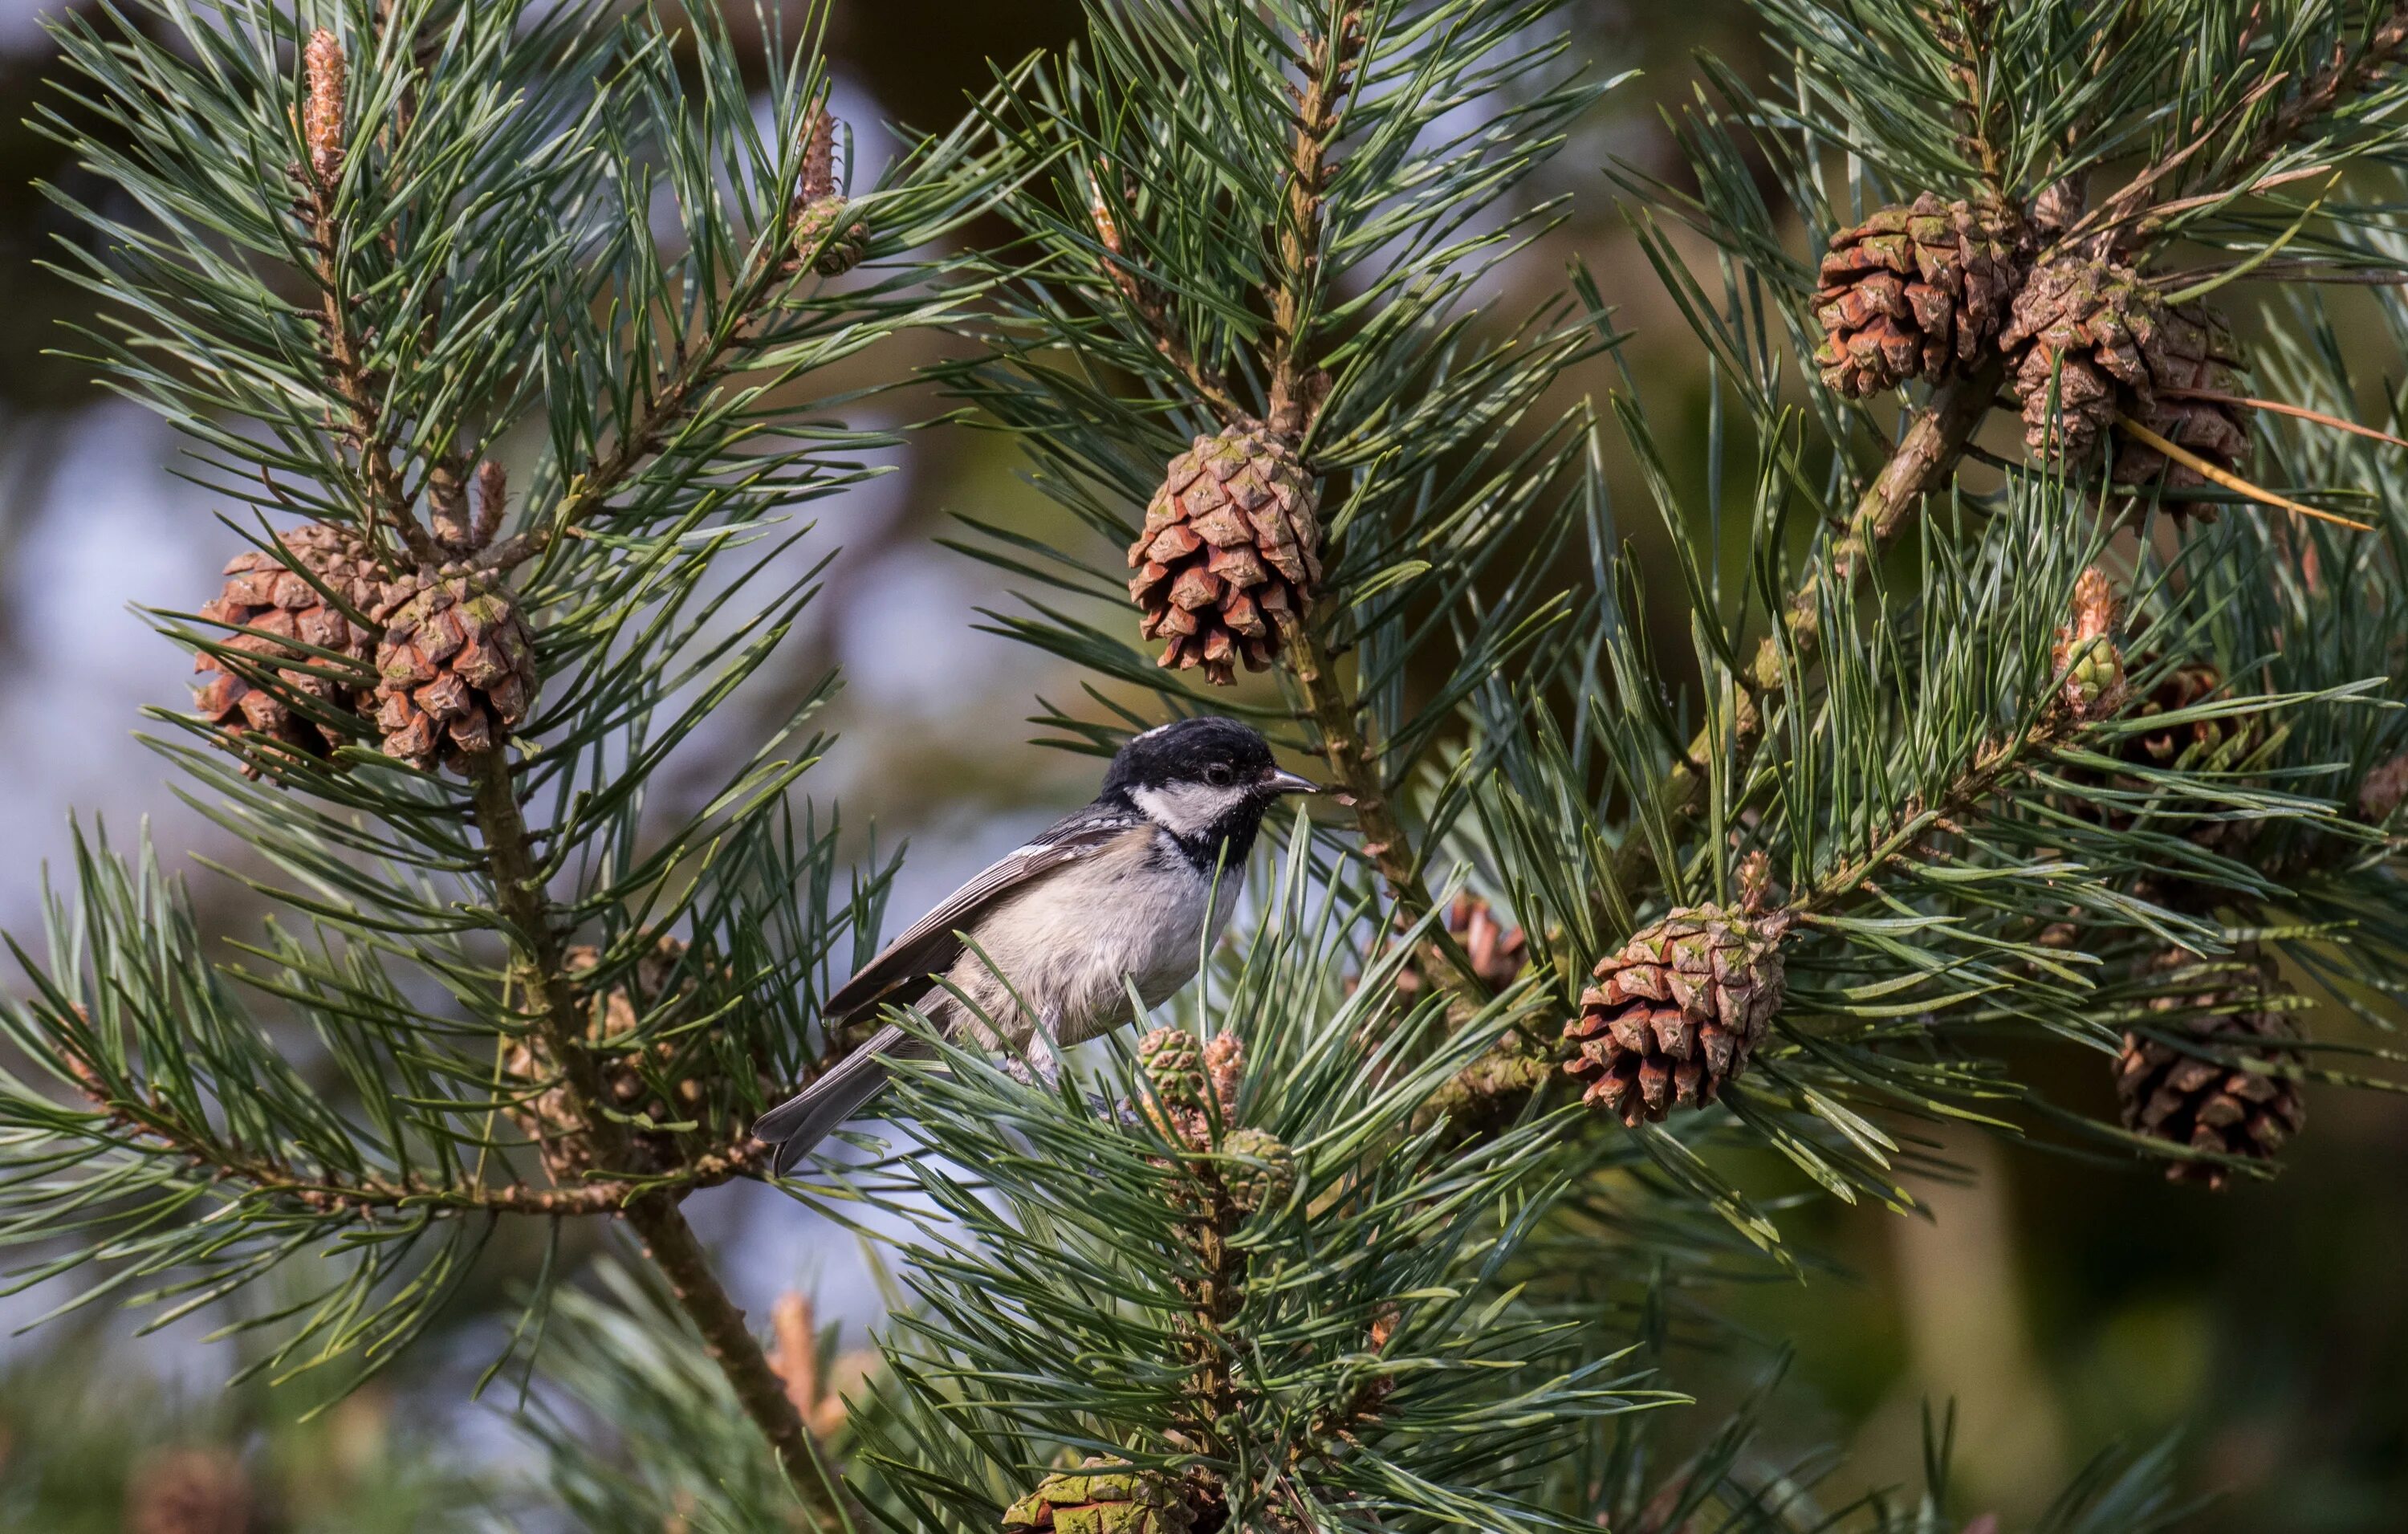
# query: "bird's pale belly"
1071 946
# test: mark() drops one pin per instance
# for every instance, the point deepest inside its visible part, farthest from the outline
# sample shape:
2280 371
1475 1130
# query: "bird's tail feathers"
811 1115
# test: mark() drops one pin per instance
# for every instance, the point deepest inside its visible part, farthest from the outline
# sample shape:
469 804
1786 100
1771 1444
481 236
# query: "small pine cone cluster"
663 977
1677 1013
1230 555
1913 292
327 608
1095 1499
2203 744
2092 340
2086 652
456 667
1190 1081
2216 1089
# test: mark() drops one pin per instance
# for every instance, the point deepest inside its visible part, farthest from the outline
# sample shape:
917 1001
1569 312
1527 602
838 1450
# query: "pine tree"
2041 639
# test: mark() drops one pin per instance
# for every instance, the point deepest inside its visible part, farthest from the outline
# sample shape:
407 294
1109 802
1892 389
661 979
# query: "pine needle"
2226 479
2337 423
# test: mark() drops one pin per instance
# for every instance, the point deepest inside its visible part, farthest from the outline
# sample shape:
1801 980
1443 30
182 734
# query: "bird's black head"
1205 780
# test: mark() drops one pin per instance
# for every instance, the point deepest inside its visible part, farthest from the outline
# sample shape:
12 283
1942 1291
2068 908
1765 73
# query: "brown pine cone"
1913 292
2197 1092
1499 953
659 980
2094 332
455 669
1230 555
2383 789
264 592
1092 1500
1678 1011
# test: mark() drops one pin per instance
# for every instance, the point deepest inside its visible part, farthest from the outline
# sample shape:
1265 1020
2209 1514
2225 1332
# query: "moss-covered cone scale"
1092 1500
1913 292
325 610
1229 559
2207 1075
2091 338
1678 1011
455 668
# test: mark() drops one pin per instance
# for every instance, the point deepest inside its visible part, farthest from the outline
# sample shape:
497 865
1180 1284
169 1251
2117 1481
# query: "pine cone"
1678 1011
660 979
2200 1093
2108 346
1258 1186
1093 1500
1230 555
264 592
188 1491
1912 293
455 668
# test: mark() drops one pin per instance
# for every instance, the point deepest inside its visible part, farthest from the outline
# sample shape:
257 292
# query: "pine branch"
2322 93
667 1240
1926 455
1329 62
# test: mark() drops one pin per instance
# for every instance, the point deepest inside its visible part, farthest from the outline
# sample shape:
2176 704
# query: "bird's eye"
1220 775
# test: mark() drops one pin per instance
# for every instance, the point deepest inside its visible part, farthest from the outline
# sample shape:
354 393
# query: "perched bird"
1130 890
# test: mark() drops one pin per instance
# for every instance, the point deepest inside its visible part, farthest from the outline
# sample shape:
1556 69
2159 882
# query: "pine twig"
1922 459
668 1241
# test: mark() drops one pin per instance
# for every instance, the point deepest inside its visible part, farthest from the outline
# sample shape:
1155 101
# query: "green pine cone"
1258 1186
1174 1063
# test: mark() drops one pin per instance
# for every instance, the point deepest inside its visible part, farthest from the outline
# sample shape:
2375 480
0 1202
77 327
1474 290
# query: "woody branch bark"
668 1241
1926 455
1354 757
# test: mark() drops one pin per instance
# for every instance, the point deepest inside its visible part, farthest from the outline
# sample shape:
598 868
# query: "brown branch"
1923 460
1330 60
1151 306
667 1240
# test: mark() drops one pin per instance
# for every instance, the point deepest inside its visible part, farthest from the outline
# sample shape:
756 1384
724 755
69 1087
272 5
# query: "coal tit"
1130 890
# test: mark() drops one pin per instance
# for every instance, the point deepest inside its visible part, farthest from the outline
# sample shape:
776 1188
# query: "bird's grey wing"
930 948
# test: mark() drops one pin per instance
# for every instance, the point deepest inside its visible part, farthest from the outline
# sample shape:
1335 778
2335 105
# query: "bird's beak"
1288 783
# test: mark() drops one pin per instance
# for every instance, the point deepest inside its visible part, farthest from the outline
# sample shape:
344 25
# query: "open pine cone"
1094 1500
660 979
2108 346
1913 292
455 668
1230 555
1498 953
2200 1092
1678 1011
266 593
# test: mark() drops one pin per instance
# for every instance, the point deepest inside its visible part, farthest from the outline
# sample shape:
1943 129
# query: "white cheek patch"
1187 810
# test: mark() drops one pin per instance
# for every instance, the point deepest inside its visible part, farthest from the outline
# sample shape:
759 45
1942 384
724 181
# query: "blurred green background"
2063 1304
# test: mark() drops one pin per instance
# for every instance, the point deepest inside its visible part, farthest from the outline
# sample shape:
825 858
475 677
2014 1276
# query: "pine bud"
823 236
2086 651
493 496
1224 1063
323 125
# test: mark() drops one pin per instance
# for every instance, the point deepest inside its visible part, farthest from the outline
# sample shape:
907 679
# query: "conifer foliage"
1990 740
